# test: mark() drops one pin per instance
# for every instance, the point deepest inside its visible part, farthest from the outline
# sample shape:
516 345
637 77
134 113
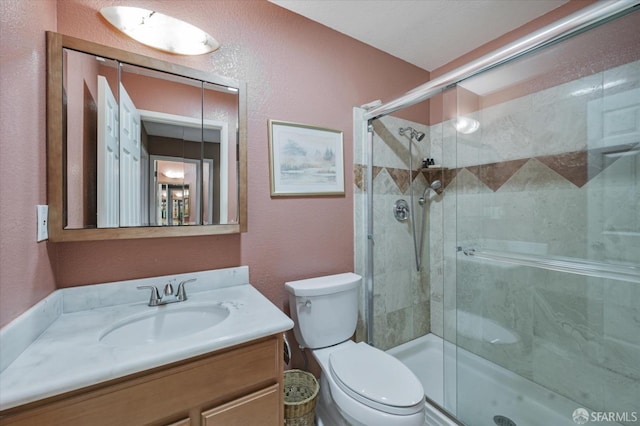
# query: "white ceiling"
426 33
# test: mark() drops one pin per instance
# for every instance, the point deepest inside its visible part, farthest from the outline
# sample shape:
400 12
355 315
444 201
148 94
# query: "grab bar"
590 268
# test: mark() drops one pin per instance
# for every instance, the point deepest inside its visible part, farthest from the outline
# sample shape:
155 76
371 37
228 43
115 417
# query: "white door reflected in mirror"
108 157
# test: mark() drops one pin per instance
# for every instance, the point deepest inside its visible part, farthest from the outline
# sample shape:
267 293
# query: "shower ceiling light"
160 31
467 125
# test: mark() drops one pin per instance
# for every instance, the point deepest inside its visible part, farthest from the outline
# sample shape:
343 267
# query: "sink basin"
164 323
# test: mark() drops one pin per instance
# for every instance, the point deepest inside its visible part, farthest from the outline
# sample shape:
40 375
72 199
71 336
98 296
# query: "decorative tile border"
577 167
573 166
401 178
494 175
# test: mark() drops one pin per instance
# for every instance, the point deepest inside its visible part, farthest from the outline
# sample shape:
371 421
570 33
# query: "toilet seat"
376 379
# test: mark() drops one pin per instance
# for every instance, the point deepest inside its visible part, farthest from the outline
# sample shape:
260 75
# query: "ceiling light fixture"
173 174
466 125
160 31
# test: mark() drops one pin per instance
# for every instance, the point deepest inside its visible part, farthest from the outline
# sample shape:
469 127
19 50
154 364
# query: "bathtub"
487 393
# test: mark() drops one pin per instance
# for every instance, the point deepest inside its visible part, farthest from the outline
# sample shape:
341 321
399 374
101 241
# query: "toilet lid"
376 379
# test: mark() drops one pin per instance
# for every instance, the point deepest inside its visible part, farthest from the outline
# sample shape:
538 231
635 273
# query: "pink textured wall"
26 268
296 70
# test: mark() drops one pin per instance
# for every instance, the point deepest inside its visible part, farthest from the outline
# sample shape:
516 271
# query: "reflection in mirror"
164 115
90 124
174 203
221 110
174 200
138 147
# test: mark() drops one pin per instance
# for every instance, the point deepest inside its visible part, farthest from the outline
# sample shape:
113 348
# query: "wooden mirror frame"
55 145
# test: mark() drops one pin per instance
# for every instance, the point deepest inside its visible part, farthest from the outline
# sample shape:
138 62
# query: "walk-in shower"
524 307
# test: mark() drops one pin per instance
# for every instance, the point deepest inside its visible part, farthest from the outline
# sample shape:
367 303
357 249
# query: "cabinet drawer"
163 393
261 408
185 422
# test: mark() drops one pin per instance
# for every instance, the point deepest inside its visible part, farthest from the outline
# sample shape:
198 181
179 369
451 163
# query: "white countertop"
69 355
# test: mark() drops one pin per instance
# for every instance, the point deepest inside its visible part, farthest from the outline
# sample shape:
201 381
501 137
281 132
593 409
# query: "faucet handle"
182 293
154 300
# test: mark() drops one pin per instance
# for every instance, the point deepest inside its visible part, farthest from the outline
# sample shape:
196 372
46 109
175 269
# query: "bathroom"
292 77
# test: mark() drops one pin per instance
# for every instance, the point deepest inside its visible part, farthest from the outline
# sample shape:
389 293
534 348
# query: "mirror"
139 147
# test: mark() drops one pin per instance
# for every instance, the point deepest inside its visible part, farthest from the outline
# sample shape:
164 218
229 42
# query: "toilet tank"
324 309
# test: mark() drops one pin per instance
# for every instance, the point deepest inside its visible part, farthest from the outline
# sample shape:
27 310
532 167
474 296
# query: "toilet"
359 384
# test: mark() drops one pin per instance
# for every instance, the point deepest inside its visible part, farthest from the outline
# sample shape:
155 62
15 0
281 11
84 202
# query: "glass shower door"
547 257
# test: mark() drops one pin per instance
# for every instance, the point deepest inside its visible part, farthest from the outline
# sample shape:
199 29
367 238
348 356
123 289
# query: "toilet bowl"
359 384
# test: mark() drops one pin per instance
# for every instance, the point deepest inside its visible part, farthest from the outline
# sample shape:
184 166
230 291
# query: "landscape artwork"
305 160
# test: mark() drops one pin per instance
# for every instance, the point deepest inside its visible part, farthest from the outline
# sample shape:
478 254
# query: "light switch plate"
43 222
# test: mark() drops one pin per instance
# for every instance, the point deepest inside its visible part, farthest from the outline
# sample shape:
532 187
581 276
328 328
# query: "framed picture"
305 160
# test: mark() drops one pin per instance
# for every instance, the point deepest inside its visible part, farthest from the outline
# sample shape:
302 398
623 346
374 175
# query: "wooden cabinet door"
261 408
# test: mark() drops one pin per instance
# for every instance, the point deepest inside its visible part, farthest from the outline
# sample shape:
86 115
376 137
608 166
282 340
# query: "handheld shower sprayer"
436 184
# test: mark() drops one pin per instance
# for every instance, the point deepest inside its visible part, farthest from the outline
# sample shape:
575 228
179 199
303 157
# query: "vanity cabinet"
241 385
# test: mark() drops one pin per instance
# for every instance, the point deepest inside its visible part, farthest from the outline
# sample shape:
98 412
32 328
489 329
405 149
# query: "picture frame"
305 160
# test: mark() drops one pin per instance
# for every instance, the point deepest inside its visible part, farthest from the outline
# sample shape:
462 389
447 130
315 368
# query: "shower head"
435 185
413 133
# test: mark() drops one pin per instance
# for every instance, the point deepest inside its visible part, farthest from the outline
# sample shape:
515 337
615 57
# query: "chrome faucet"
168 296
182 293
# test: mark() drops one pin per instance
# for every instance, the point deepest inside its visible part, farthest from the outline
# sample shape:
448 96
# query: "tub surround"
54 347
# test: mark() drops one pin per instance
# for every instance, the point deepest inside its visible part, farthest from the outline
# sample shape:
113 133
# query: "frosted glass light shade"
160 31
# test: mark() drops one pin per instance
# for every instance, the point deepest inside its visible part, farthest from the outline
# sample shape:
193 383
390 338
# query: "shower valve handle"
401 210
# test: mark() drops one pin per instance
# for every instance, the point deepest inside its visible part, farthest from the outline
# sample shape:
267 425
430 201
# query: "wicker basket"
300 395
